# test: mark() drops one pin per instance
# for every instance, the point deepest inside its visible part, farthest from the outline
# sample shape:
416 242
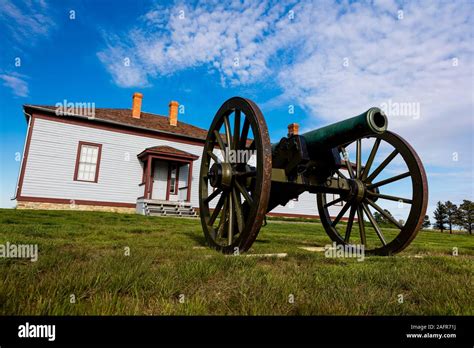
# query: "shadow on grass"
199 239
262 241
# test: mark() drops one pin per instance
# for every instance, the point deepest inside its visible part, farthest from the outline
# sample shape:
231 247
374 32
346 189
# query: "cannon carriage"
235 195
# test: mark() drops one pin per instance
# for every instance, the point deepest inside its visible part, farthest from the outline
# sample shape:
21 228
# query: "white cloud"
228 37
26 20
422 54
17 83
124 66
404 60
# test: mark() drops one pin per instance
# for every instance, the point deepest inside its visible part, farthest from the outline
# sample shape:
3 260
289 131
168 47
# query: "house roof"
167 151
124 117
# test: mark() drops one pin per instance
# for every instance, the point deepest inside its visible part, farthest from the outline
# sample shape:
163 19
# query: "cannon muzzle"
373 121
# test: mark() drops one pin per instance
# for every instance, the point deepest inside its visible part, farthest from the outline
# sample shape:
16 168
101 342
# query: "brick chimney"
173 113
293 129
137 104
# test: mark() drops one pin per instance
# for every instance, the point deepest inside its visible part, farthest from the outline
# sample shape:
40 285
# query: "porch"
166 181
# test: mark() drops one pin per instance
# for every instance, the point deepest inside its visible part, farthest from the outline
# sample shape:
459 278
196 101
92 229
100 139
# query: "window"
87 162
173 179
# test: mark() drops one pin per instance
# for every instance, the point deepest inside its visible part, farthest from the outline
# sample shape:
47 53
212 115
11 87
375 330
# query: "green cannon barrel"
373 121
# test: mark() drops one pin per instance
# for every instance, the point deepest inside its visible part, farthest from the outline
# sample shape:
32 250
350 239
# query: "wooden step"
166 208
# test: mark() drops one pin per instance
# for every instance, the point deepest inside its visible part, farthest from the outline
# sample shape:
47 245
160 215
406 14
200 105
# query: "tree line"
447 215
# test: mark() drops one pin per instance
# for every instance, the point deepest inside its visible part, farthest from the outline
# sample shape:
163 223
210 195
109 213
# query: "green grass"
82 253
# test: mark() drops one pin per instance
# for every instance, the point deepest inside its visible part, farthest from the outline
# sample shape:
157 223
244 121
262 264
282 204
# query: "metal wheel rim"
244 235
418 206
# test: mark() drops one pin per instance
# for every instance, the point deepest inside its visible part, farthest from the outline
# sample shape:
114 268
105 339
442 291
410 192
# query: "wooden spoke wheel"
235 176
368 191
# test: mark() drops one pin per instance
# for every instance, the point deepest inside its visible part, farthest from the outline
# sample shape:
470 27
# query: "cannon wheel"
241 190
366 190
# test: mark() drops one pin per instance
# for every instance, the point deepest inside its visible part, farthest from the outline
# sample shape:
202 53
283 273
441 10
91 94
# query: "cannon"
237 191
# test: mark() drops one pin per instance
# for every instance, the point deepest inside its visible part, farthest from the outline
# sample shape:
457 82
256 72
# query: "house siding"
49 170
52 155
305 205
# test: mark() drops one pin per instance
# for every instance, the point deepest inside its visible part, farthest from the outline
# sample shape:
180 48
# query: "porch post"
148 178
190 180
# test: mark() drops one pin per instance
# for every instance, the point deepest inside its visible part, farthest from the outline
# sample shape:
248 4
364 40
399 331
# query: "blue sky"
329 60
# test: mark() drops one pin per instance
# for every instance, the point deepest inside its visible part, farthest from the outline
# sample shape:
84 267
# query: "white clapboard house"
120 160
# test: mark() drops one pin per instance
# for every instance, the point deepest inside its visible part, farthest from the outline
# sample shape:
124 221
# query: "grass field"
170 271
